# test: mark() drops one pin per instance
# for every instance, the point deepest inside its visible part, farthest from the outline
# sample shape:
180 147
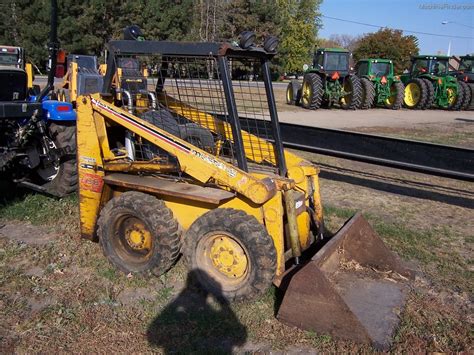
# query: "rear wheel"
471 90
415 94
138 234
467 95
352 87
455 98
59 177
395 101
430 94
293 93
312 91
233 253
368 94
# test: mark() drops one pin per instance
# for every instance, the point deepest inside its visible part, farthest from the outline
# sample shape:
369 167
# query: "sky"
411 15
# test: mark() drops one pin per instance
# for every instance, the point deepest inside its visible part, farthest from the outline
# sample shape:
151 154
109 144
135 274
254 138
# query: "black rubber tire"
467 95
368 94
471 89
64 183
190 132
293 93
315 83
423 94
250 234
459 99
159 221
198 136
430 94
355 95
400 90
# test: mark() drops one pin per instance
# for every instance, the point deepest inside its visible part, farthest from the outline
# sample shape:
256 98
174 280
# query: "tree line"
84 27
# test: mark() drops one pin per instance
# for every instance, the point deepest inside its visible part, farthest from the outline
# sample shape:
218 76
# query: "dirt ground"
58 294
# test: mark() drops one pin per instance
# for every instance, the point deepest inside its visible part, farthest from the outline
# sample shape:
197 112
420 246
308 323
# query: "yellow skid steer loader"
191 161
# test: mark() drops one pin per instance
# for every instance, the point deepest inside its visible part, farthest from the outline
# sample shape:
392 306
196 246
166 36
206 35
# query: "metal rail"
428 158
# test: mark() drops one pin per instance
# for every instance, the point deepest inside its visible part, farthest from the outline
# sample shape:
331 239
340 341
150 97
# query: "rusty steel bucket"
353 288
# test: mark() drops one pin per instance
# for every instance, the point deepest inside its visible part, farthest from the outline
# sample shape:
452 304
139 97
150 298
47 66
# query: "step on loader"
168 165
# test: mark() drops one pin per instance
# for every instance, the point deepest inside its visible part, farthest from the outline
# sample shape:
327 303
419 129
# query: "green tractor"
380 86
465 76
329 81
429 83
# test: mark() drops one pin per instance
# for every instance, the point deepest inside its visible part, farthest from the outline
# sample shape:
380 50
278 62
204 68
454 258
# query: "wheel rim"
390 101
133 241
306 93
451 96
224 258
50 172
289 95
412 94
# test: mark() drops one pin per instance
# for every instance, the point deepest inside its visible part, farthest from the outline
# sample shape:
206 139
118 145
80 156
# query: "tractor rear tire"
456 106
232 252
138 234
416 94
397 89
61 180
312 91
368 94
430 98
351 101
467 95
471 89
293 93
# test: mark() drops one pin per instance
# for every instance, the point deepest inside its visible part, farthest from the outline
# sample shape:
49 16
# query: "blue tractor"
37 132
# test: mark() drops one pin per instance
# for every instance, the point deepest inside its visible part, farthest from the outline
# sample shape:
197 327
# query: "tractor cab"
430 65
374 68
332 60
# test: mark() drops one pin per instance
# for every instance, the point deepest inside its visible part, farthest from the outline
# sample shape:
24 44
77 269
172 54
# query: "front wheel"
233 253
138 234
59 177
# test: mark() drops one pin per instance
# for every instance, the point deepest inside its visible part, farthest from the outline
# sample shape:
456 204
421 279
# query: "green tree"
299 29
390 44
261 17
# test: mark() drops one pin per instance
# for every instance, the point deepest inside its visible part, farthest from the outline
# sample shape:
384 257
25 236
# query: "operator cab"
376 68
436 65
332 60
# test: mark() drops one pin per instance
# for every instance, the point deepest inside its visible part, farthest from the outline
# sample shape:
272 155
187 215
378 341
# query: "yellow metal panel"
273 211
30 75
90 170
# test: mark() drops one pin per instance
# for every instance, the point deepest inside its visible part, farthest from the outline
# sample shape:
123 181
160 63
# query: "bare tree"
345 40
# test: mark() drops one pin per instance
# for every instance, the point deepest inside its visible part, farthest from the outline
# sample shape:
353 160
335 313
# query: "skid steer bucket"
353 288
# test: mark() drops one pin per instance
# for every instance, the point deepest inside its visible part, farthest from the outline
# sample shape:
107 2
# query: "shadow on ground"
10 192
197 321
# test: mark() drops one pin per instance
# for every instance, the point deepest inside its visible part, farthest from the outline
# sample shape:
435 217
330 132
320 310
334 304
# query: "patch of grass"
109 273
344 213
40 209
164 294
